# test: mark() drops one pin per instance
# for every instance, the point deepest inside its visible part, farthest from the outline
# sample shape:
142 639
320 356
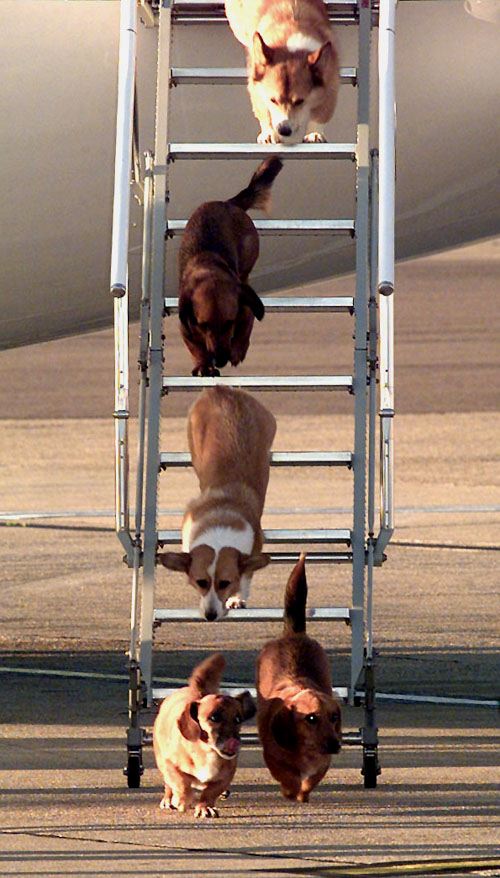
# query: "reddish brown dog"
299 720
219 248
196 739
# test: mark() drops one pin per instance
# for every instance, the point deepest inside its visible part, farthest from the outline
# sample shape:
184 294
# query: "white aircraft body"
58 79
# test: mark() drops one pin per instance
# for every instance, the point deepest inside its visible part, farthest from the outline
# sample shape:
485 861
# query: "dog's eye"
237 720
216 717
224 583
312 719
298 102
275 101
203 583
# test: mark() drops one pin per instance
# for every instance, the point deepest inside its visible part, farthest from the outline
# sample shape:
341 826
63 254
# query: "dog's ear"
251 563
261 54
283 727
186 313
175 560
248 708
251 299
318 61
188 722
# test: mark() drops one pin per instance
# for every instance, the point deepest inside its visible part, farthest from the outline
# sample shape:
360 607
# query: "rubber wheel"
134 771
370 771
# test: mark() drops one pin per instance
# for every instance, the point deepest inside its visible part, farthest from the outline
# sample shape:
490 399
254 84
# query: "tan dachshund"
196 739
293 67
299 720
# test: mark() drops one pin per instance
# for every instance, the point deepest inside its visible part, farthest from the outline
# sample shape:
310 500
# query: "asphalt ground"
66 601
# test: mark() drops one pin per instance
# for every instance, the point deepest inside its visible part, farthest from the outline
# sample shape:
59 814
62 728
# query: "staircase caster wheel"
134 771
370 770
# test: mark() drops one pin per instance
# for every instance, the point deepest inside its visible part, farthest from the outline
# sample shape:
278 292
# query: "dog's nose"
210 615
284 129
333 746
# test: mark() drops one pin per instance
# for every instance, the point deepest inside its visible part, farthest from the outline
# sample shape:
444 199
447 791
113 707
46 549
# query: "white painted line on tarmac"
298 510
383 696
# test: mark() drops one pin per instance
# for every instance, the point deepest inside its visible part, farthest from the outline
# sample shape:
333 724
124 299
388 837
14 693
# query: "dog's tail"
296 599
258 192
205 678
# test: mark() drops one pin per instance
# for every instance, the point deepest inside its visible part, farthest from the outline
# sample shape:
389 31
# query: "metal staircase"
371 384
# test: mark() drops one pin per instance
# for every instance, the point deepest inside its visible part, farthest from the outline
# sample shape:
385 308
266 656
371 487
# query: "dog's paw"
269 136
315 137
205 372
236 603
205 811
166 804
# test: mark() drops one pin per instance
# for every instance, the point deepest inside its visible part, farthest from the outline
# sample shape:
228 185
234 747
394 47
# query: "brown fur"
188 741
293 88
294 684
219 248
230 436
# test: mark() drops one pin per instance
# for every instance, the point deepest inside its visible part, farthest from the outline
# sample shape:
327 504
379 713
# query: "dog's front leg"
213 791
239 600
181 791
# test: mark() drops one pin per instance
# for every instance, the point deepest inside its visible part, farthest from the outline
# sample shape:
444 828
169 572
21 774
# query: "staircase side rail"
387 167
119 263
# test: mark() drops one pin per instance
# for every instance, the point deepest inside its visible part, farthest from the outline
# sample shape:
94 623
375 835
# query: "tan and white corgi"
293 68
230 436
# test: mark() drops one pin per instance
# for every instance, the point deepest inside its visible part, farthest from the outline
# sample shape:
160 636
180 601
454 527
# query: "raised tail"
296 599
205 678
258 192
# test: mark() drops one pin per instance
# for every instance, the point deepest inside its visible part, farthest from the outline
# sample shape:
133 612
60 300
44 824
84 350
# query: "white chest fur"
209 769
219 537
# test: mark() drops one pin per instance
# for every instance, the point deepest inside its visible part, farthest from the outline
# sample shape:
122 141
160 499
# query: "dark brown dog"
299 720
219 248
196 739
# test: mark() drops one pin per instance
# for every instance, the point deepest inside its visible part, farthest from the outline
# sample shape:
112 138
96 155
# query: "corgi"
196 739
219 248
230 436
293 66
298 718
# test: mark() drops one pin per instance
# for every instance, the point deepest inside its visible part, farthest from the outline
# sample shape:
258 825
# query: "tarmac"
66 809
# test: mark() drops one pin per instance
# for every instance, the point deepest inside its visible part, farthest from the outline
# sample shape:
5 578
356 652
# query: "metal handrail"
119 263
387 132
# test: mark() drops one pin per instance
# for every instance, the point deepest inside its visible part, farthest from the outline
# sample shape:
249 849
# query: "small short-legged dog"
219 248
230 436
299 720
293 68
196 739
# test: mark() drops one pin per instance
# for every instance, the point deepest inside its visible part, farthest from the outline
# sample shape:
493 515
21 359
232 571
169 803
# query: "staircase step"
291 304
203 12
161 692
282 227
312 557
254 614
278 458
233 75
264 382
284 536
260 151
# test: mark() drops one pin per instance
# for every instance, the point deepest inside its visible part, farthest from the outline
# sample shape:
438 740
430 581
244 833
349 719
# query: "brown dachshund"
299 720
196 739
219 248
